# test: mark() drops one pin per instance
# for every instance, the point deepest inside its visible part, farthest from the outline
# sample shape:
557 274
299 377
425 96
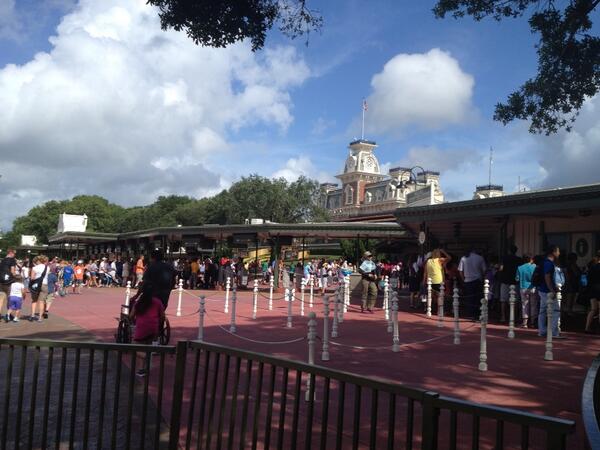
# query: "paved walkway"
518 377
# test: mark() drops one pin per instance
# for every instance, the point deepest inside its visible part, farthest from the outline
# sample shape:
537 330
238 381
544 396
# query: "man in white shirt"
472 270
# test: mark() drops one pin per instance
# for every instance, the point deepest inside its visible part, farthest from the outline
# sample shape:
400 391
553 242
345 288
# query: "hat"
367 254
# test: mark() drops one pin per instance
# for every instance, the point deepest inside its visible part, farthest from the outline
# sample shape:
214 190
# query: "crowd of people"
535 278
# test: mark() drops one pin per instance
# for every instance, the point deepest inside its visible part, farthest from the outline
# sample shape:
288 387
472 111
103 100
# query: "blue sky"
98 100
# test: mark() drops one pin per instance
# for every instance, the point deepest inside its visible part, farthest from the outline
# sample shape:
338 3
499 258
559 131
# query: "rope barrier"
292 341
183 315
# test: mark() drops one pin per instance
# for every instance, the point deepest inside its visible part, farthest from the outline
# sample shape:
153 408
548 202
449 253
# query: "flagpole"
363 123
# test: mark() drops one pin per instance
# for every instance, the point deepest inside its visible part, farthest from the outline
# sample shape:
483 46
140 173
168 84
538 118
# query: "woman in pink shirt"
148 314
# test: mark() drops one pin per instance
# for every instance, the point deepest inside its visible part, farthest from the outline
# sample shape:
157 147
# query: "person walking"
367 270
161 276
472 271
434 270
529 303
8 270
507 275
593 277
547 290
38 286
140 268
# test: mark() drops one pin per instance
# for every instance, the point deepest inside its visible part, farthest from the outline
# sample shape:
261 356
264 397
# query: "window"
379 195
369 197
349 195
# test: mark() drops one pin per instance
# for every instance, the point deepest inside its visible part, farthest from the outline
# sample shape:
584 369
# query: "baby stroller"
126 326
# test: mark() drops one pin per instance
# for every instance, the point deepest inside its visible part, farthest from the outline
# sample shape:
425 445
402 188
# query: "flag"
365 105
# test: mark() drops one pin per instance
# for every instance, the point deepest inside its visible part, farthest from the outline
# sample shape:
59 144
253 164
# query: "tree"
219 23
568 58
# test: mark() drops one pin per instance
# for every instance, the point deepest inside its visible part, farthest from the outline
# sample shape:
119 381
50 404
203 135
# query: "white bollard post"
549 355
311 337
232 327
440 301
483 324
302 307
227 288
288 294
558 304
312 290
341 300
302 288
386 297
180 291
271 286
428 297
325 353
511 316
128 294
336 306
455 305
346 293
396 336
201 318
255 300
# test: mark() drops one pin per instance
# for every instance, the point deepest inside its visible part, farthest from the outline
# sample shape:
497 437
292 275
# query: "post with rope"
340 296
302 288
179 292
336 305
227 288
312 291
549 355
396 335
325 353
288 294
255 299
232 327
511 316
386 297
301 306
558 303
483 366
127 294
428 297
271 286
390 317
346 293
440 302
201 312
455 306
311 337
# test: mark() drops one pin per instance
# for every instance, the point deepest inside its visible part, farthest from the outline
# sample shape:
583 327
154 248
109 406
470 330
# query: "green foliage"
219 23
251 197
568 58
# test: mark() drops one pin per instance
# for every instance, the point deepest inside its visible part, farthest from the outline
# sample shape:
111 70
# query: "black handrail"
590 404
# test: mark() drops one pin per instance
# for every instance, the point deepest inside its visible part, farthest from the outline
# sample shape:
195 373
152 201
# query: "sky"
96 99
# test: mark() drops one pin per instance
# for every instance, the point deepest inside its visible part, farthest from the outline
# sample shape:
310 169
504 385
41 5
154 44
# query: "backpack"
36 284
537 278
5 273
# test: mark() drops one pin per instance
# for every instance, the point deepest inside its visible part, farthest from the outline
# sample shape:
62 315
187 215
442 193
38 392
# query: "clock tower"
361 168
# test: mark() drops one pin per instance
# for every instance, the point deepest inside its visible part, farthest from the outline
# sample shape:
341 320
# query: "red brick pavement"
518 376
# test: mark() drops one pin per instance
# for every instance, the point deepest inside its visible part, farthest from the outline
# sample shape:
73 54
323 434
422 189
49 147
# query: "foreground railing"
590 404
87 395
57 394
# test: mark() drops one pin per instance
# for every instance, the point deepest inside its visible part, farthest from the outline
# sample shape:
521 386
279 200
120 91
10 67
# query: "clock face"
350 164
370 164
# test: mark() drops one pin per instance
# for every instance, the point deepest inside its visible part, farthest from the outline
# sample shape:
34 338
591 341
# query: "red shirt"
147 325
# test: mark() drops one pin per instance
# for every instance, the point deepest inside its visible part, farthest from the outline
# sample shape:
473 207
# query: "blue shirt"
524 275
547 269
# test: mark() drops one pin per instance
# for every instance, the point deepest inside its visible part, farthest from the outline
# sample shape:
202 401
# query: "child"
148 314
15 299
79 272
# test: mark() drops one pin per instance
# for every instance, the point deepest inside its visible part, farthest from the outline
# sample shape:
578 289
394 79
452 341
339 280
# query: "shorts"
15 303
78 282
436 287
40 295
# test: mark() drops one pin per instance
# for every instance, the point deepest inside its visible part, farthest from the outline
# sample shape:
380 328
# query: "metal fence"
85 395
590 404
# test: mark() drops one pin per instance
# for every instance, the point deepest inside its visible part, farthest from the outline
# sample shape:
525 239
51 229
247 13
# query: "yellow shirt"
435 271
194 267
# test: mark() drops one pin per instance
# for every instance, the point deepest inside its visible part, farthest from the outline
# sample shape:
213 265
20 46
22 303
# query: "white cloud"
572 158
425 90
301 166
122 109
